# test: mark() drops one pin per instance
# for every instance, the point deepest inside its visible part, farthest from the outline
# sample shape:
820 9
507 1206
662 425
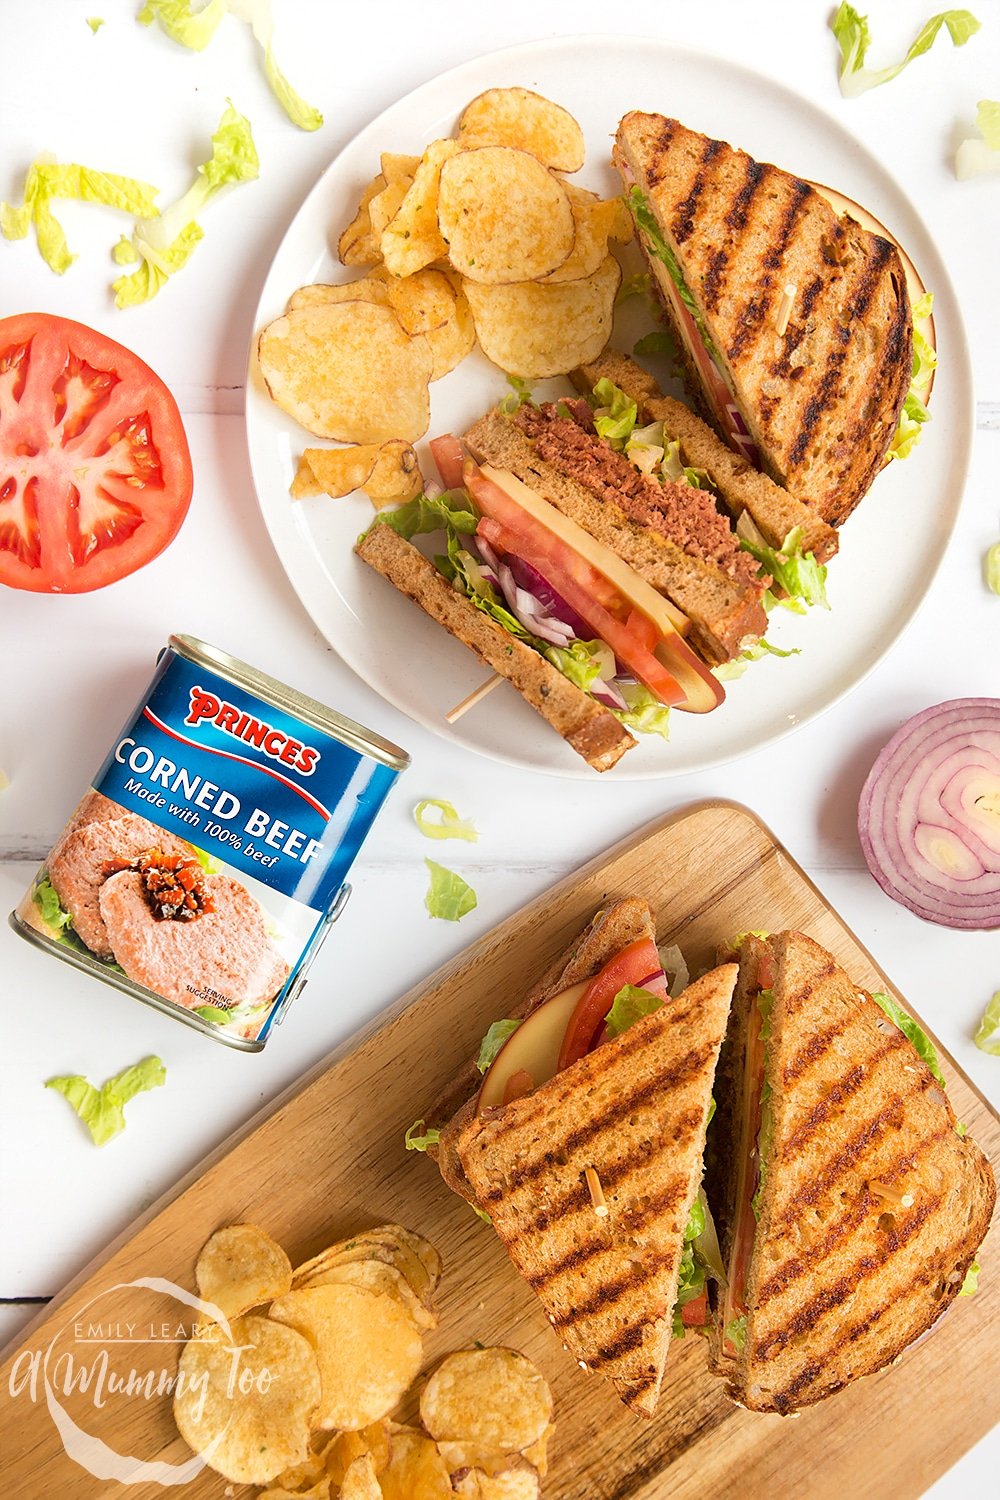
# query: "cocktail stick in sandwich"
849 1203
583 1141
794 323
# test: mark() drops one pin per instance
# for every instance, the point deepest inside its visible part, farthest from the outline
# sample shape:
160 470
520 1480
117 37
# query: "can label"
205 859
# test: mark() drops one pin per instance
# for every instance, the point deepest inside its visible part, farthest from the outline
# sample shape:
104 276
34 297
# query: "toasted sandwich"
794 324
580 1131
848 1201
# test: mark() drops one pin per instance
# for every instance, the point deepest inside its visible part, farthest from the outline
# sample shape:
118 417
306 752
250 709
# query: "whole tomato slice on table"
95 472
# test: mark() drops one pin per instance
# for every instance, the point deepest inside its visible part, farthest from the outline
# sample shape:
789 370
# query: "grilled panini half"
740 486
635 1112
672 534
725 235
869 1207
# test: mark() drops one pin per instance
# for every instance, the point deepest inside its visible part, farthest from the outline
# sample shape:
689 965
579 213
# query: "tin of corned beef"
207 861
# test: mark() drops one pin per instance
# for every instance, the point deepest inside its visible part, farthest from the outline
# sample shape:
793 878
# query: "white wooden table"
128 100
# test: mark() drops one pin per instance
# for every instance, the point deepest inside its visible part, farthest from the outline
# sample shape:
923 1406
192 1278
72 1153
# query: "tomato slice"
95 473
638 964
449 455
694 1314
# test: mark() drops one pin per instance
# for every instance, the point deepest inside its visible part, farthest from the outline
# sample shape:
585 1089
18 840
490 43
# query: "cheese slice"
667 618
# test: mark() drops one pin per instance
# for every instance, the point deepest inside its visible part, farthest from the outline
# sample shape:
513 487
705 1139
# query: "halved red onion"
929 817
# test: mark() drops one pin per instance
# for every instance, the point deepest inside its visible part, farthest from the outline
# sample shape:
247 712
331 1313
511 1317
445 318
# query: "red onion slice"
929 817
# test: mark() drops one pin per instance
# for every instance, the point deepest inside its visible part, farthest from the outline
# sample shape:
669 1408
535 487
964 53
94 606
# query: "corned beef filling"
174 886
682 512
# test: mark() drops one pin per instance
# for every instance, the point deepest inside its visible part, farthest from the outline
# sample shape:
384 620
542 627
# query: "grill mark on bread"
845 1087
610 1292
780 1280
665 135
805 992
807 1316
683 221
631 1337
578 1199
760 303
738 211
817 1046
713 278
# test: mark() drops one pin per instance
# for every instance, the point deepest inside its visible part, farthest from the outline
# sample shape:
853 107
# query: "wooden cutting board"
327 1160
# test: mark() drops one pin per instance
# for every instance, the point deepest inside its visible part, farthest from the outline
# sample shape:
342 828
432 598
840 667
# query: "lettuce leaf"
583 662
970 1284
52 911
194 27
728 671
853 38
418 1137
660 341
48 180
631 1004
798 573
519 395
983 155
95 23
918 1038
449 511
103 1110
462 569
614 415
448 896
991 568
493 1041
987 1037
163 244
448 826
736 1332
646 220
915 413
645 713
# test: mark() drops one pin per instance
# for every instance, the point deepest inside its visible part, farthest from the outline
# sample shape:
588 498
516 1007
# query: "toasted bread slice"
846 1271
724 607
741 487
610 930
821 399
635 1111
589 728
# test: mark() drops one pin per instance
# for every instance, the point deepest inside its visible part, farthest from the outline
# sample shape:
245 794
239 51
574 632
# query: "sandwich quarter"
206 862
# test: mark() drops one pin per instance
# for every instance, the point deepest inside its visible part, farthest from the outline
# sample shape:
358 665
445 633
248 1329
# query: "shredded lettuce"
194 26
646 220
918 1038
736 1332
449 511
987 1037
163 244
519 395
729 670
970 1284
614 415
991 568
915 413
983 155
103 1110
448 826
419 1138
653 451
95 23
53 914
631 1004
583 662
645 713
493 1041
462 570
853 38
798 573
48 180
448 896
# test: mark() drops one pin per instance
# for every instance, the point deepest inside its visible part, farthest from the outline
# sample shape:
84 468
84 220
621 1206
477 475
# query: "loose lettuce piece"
630 1005
519 395
48 180
418 1137
449 511
163 245
660 341
103 1110
448 895
448 826
95 23
614 415
493 1041
729 670
583 662
646 220
798 573
194 27
987 1037
853 39
991 568
970 1285
913 1033
636 285
645 713
983 155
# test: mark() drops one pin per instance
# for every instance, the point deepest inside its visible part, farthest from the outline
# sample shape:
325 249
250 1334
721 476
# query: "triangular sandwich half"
848 1204
794 323
590 1173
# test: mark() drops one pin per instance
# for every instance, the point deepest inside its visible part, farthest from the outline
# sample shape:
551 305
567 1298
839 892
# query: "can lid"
279 695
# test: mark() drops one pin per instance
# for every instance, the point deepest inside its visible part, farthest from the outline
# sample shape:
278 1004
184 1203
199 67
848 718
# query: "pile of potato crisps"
480 238
290 1384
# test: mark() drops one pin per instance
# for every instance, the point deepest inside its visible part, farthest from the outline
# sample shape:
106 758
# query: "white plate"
891 547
